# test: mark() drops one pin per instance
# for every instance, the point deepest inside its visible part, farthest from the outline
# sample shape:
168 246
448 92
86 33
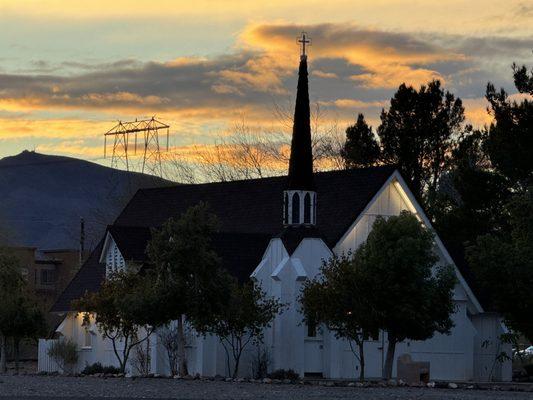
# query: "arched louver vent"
295 208
307 208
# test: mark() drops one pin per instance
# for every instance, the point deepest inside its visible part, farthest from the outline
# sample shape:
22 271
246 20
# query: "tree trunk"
16 345
3 354
362 361
181 348
236 369
391 348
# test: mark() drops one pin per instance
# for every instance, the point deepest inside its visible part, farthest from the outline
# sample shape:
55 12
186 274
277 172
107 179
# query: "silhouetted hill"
43 197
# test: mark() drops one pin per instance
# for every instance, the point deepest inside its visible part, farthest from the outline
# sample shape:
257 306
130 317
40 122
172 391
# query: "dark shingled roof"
131 240
88 279
250 213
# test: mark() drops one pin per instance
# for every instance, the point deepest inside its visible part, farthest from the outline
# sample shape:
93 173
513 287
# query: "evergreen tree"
503 263
361 148
418 133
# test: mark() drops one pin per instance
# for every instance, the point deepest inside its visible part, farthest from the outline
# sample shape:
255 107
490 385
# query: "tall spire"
299 198
301 160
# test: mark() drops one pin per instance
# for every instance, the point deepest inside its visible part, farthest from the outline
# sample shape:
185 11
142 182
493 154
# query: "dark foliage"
283 374
98 368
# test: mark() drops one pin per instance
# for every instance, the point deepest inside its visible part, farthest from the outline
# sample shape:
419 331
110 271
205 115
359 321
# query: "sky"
69 70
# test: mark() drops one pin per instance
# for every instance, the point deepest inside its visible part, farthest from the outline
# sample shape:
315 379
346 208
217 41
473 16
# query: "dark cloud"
247 78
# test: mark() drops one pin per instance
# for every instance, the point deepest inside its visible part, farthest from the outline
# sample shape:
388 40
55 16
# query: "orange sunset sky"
70 69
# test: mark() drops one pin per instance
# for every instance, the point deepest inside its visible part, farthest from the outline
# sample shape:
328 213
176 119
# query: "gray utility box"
411 371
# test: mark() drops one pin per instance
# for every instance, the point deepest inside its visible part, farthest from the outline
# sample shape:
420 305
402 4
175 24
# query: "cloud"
352 68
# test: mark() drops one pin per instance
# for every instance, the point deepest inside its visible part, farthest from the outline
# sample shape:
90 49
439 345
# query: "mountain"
43 197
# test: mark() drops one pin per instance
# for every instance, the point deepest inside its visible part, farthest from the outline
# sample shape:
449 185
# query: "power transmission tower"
148 129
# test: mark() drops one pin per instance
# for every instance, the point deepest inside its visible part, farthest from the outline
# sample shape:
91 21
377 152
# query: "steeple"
300 197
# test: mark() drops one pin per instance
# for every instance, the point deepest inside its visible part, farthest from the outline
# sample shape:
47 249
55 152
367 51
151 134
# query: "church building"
277 231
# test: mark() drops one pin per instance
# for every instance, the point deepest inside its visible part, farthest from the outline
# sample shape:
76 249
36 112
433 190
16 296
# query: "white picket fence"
45 362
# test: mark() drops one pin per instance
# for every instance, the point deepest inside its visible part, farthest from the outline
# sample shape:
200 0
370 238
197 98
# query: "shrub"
64 353
98 368
282 374
260 363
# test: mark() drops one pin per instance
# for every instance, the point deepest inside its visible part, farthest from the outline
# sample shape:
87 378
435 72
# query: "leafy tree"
411 300
125 310
244 316
187 270
340 299
24 319
12 285
504 264
361 148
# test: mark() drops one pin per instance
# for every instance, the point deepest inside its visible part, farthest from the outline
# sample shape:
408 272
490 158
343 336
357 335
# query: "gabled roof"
131 241
250 213
88 279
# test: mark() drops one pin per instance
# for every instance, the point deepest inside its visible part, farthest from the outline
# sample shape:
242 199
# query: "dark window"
307 208
311 328
47 277
295 208
286 209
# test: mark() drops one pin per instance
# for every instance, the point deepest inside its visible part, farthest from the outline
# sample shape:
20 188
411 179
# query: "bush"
260 363
64 353
529 369
282 374
98 368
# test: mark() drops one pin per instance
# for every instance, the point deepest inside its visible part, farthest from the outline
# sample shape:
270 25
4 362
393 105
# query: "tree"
11 285
187 270
339 299
412 299
471 195
244 316
27 321
361 148
523 79
418 132
503 264
509 139
126 310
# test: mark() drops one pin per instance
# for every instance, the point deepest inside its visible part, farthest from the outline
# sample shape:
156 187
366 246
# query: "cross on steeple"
303 40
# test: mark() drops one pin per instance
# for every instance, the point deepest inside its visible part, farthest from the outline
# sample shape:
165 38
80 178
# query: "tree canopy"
411 299
126 310
340 299
190 281
417 133
504 265
244 315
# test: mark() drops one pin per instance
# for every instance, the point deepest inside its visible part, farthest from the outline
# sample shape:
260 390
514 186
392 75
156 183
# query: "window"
295 208
87 338
307 208
47 277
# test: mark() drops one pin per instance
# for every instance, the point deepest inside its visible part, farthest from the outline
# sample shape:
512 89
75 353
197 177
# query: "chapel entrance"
313 352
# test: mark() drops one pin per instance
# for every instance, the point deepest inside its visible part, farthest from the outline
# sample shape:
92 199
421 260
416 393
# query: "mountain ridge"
43 197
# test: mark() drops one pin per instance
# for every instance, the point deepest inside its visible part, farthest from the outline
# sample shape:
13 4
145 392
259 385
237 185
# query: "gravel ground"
42 387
